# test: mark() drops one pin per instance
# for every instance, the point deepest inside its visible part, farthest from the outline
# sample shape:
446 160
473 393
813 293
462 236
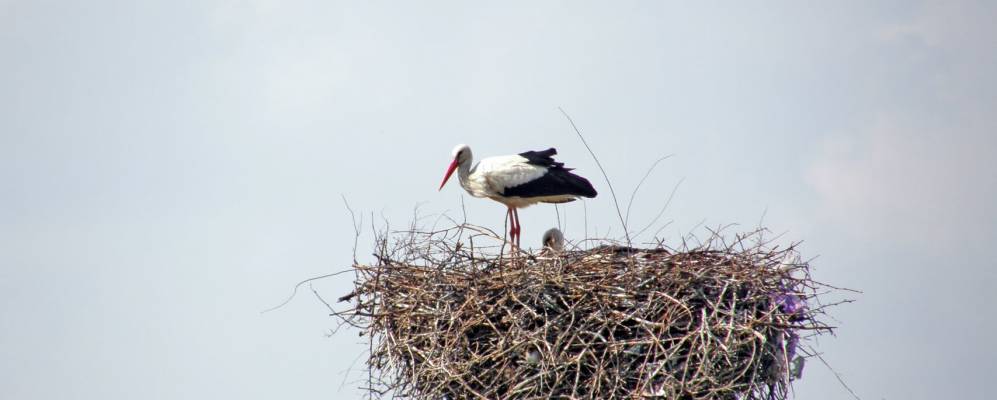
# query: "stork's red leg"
515 214
512 224
513 227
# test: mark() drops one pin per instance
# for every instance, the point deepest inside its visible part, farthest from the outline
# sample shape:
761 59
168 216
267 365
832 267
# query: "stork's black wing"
558 181
544 158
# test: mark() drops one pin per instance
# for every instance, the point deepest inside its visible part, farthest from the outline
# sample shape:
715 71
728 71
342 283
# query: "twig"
604 175
663 208
639 184
298 285
356 226
836 375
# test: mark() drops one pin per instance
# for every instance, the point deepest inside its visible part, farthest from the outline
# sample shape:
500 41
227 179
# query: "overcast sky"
170 169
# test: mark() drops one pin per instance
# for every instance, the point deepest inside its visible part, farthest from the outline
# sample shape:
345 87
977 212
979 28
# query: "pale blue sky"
172 168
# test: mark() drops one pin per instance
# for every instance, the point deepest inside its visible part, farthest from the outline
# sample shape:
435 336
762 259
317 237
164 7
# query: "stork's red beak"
450 170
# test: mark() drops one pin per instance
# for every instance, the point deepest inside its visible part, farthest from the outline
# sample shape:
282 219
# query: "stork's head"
461 155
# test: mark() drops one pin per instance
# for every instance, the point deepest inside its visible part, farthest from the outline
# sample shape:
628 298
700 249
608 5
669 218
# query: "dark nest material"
715 320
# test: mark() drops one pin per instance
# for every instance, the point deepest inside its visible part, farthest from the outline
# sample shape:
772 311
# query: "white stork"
518 181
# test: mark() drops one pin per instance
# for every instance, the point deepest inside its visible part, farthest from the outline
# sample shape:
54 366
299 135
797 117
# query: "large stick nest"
716 320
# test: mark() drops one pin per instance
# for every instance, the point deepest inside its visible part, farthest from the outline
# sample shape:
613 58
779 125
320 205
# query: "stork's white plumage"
518 181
